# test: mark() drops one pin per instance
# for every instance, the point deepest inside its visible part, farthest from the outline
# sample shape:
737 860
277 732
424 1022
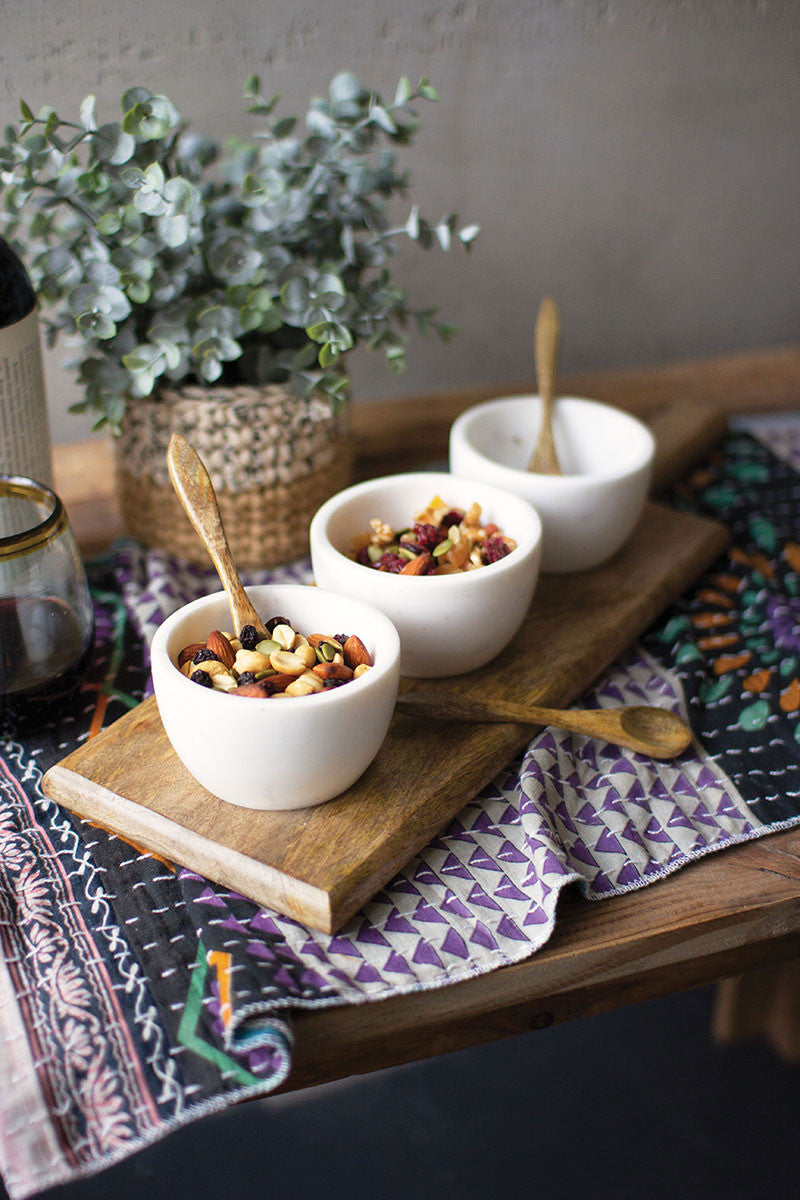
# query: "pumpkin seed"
443 547
268 646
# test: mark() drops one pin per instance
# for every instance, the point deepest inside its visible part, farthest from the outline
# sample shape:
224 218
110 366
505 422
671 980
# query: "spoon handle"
196 493
661 734
547 338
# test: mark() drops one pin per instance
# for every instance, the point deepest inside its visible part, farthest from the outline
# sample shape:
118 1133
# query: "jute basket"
273 459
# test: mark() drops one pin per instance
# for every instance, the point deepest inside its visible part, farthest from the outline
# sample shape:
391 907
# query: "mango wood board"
321 865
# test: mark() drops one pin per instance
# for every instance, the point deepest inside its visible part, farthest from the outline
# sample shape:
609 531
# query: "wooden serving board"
321 865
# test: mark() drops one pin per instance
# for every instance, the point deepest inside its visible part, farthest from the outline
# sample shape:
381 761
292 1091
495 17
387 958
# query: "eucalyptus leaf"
112 145
163 253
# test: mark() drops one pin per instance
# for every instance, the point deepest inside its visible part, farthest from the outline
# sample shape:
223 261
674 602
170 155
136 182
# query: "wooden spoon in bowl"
656 732
548 334
196 494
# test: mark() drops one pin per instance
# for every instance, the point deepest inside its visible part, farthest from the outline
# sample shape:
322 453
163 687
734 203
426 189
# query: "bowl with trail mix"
452 562
284 716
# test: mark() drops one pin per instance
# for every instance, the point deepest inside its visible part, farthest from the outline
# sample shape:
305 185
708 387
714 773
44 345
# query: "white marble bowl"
606 457
448 624
277 754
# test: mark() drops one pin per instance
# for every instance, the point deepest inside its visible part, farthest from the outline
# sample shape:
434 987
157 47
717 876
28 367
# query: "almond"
278 683
252 689
356 653
314 639
333 670
188 652
418 565
221 648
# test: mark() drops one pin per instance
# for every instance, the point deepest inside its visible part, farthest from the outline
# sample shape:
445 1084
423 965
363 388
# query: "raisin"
247 677
494 548
341 638
204 655
203 678
428 536
248 637
275 621
390 562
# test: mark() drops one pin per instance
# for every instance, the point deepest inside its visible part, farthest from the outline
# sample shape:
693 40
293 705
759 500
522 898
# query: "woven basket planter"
273 459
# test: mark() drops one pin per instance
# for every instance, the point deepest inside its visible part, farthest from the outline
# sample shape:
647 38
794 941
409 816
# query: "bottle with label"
24 424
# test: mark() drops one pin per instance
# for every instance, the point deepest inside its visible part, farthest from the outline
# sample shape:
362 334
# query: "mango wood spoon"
652 731
547 337
196 494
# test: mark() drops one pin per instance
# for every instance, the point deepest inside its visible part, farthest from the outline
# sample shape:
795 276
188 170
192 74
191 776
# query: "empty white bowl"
448 624
606 457
277 754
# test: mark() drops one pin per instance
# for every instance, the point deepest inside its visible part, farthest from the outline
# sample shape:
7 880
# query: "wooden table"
737 910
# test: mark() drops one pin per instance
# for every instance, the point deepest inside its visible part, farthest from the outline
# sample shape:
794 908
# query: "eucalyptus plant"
166 256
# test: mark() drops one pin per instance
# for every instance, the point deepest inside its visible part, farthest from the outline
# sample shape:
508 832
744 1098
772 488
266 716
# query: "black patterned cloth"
136 996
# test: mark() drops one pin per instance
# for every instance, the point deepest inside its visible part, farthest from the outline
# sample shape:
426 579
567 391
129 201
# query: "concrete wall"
639 161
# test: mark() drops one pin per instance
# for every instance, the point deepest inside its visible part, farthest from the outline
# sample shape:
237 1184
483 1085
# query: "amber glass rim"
41 533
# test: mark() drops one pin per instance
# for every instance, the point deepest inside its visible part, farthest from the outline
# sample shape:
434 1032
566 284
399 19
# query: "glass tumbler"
46 615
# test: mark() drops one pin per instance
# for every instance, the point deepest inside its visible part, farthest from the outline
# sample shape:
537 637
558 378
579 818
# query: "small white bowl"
606 457
277 754
448 624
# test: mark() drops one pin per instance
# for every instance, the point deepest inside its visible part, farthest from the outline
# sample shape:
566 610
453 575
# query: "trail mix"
441 541
277 663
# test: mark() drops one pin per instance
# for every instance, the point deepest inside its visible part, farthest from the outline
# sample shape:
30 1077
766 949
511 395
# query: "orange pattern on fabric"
757 681
717 641
732 662
712 596
731 583
757 560
220 960
710 620
790 697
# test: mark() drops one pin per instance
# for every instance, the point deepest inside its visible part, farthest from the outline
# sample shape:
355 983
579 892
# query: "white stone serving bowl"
606 457
277 754
448 624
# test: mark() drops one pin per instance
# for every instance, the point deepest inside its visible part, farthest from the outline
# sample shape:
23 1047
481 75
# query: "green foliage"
166 257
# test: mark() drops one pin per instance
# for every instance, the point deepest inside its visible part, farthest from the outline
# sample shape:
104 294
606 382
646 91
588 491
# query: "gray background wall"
638 160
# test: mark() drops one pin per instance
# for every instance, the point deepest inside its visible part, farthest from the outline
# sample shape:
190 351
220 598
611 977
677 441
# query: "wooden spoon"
548 334
196 494
652 731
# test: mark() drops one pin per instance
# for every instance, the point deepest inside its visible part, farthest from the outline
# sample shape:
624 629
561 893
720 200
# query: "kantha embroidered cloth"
136 996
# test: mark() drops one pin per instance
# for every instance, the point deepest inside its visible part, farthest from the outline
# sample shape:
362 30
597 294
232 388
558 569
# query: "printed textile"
136 996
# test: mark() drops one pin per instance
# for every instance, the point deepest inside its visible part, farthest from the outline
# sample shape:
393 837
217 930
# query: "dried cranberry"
428 536
275 621
413 547
248 637
454 517
494 548
204 655
247 677
363 557
390 562
203 678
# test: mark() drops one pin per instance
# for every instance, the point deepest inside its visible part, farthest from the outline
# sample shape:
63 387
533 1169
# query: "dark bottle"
24 424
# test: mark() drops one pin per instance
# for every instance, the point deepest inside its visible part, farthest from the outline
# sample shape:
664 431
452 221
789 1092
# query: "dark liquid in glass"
44 653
